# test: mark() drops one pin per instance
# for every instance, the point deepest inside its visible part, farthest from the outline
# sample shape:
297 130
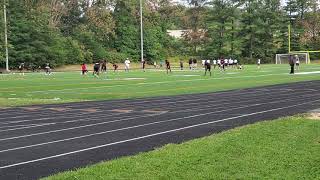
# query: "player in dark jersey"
143 63
222 64
104 66
181 64
115 67
207 67
168 67
291 63
190 63
96 69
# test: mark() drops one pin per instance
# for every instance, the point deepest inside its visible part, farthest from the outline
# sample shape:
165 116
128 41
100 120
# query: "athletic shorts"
96 69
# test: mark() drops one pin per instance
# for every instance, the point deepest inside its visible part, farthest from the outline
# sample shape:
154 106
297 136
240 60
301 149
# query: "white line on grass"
152 135
151 83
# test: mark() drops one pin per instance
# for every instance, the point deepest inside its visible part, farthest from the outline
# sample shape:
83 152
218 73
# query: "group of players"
22 68
222 64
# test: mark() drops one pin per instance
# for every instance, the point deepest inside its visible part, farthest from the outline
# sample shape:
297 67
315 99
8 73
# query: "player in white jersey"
203 62
258 63
226 63
230 62
235 62
127 64
297 62
214 64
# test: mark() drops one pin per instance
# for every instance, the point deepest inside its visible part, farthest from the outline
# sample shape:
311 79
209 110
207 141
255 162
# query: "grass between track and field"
61 87
287 148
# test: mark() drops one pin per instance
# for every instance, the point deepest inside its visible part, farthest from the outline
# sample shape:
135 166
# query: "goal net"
284 58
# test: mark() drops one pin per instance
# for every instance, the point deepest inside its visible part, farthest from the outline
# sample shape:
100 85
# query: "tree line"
85 31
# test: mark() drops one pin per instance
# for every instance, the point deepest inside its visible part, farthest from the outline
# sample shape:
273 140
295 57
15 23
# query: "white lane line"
99 118
162 101
151 135
175 98
256 93
14 117
77 127
142 125
125 128
25 125
64 117
109 122
65 122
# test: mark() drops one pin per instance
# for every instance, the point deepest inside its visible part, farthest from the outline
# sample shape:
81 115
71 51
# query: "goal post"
284 58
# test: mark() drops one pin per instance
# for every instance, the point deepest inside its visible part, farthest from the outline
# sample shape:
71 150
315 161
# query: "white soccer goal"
284 58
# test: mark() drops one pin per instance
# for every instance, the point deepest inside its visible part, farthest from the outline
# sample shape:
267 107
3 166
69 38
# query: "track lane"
289 99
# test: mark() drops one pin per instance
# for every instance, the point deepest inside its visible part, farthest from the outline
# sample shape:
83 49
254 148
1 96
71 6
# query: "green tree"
223 29
126 28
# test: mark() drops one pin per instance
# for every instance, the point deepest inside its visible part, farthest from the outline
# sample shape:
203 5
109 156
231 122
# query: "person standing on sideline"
291 63
127 64
181 65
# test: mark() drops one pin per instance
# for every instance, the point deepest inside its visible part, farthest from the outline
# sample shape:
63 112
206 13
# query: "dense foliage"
76 31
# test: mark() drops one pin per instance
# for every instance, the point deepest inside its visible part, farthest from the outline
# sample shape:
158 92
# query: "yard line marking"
152 135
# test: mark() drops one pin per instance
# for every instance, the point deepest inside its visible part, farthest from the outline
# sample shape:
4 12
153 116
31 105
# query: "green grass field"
283 149
36 88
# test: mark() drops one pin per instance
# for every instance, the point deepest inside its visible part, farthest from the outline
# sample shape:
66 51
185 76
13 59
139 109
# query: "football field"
61 87
41 140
